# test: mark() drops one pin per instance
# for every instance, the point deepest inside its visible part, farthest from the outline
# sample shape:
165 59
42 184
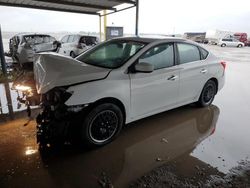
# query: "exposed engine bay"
57 122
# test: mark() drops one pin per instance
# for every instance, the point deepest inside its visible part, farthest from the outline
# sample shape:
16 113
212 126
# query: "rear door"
230 42
156 91
193 74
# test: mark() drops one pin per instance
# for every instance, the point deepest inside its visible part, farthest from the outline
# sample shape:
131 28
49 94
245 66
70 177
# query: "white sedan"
120 81
230 42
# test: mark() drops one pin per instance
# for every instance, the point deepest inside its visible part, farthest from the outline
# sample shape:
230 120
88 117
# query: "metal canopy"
75 6
93 7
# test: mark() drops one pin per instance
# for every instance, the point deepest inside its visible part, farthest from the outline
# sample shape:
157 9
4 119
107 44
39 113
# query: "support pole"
6 83
105 24
2 58
137 18
100 27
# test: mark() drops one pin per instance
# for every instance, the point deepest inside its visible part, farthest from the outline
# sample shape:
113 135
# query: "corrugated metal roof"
75 6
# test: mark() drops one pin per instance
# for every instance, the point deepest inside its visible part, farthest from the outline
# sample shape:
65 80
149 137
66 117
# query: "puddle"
142 146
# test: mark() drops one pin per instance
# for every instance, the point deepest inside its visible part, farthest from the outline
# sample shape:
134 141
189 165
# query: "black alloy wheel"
102 124
208 93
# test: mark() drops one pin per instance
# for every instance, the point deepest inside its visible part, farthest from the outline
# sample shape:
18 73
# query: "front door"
154 92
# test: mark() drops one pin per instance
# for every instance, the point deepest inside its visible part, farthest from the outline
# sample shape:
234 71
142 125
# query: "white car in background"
73 45
24 46
230 42
120 81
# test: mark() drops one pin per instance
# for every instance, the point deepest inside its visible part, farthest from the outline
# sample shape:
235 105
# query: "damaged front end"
24 85
58 122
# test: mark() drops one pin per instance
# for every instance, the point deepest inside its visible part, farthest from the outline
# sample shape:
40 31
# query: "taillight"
224 64
213 131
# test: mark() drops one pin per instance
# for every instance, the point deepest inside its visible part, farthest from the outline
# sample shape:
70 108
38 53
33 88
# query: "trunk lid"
53 70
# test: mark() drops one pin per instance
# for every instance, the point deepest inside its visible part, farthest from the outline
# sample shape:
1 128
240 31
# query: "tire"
208 93
72 54
239 45
223 45
102 125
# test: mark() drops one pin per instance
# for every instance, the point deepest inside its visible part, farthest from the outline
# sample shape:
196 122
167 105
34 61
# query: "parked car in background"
23 46
73 45
230 42
120 81
214 36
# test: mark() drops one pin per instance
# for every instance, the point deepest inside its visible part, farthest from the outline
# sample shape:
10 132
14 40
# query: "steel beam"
77 4
47 8
125 1
118 10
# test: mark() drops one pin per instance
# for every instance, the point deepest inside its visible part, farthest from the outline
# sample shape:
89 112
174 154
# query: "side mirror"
144 67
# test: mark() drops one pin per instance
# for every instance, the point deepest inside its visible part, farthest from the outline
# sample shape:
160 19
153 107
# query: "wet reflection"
30 151
142 146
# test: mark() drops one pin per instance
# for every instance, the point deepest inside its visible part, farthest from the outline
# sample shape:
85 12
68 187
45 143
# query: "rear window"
36 39
204 53
89 41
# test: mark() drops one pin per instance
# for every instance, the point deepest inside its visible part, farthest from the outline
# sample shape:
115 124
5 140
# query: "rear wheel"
207 94
239 45
102 124
223 45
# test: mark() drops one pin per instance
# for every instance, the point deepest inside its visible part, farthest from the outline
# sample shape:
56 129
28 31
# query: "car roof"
80 35
150 39
31 34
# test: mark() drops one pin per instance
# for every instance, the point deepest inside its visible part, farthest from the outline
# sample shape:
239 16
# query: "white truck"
213 36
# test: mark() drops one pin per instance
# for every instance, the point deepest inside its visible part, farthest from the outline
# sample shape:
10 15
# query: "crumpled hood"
52 70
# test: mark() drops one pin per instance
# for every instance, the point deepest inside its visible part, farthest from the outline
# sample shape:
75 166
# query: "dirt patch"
170 176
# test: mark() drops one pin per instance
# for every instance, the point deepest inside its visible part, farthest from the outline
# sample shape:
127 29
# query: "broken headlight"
56 96
24 88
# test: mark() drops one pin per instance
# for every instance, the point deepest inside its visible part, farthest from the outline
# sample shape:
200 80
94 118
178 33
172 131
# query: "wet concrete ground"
185 147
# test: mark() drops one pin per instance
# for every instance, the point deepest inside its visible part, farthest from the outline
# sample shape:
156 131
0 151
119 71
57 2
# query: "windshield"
111 54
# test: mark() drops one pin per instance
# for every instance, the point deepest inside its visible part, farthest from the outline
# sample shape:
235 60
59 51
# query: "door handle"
173 78
203 71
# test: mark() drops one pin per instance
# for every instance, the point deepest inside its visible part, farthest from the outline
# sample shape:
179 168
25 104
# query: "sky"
155 17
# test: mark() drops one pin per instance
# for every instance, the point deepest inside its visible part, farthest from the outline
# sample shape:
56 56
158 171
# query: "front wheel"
223 45
102 124
239 46
207 94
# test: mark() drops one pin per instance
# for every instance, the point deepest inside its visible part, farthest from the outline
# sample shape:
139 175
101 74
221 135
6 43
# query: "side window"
90 41
52 39
83 40
71 38
204 53
188 53
65 39
161 56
